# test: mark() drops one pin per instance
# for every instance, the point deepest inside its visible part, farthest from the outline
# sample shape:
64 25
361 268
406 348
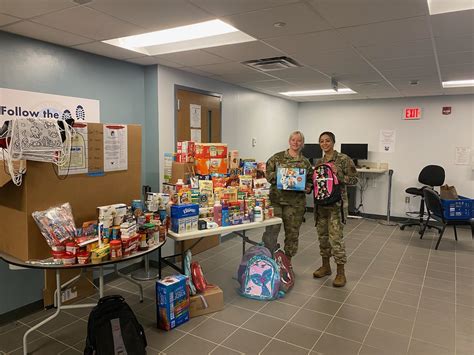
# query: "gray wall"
30 65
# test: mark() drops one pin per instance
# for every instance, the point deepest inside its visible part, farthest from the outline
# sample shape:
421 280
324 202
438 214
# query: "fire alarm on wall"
446 110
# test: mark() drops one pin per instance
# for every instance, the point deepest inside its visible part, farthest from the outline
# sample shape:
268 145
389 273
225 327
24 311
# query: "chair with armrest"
430 176
436 212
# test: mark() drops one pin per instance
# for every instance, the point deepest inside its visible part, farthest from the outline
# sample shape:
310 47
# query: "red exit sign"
412 113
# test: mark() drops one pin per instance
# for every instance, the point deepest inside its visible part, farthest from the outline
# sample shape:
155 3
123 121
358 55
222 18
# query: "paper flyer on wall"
77 163
387 140
167 166
115 148
196 135
463 156
195 115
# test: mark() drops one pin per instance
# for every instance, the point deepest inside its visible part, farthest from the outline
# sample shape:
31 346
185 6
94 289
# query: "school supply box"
172 301
293 179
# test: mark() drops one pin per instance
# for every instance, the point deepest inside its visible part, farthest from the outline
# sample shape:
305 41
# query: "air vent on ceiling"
270 64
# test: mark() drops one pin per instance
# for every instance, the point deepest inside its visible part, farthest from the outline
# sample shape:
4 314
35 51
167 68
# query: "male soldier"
330 219
287 204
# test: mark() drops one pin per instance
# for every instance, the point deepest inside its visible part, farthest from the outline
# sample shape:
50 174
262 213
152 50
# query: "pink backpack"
287 275
327 189
261 279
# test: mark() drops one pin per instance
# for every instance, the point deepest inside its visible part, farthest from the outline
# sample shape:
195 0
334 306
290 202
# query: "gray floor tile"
311 319
322 305
294 298
434 333
356 314
279 347
42 346
363 301
250 304
331 293
14 338
393 324
213 330
418 347
298 335
403 298
382 339
370 350
221 350
330 344
190 344
246 341
160 339
279 310
347 329
71 333
398 310
264 324
233 315
367 290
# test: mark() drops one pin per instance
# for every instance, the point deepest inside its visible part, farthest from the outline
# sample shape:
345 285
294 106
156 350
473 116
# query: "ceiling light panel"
342 91
458 84
444 6
196 36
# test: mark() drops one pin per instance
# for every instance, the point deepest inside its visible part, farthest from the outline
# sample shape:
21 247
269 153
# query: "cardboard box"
213 302
41 189
210 150
181 171
172 301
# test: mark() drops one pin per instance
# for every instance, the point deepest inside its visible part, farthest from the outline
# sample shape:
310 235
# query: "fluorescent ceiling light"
458 84
199 35
442 6
342 91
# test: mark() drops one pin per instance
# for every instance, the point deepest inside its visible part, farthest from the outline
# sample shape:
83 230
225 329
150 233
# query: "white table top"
221 230
371 170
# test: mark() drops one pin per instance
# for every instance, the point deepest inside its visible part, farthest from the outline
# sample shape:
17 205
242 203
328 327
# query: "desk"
17 262
390 174
238 229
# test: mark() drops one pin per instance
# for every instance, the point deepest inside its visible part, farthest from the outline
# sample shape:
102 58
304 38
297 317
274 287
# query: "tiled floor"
402 297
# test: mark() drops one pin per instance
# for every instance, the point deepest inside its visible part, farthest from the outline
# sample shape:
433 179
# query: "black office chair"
435 212
430 176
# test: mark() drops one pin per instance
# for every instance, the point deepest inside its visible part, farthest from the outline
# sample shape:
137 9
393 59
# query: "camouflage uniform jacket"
285 160
346 172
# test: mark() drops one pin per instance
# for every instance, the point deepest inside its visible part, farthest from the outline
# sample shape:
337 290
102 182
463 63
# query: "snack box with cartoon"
293 179
172 301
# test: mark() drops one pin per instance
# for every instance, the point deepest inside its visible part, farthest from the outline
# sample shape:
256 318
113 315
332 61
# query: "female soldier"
329 221
287 204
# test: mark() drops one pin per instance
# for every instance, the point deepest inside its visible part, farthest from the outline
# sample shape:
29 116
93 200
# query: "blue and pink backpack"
261 279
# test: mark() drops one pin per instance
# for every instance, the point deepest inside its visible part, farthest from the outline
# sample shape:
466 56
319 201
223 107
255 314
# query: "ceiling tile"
457 72
245 51
452 58
389 64
108 50
299 18
197 72
410 72
230 7
458 91
455 44
45 33
386 32
317 42
153 14
424 84
243 77
343 13
193 58
5 19
226 68
453 24
419 48
29 8
274 85
89 23
299 73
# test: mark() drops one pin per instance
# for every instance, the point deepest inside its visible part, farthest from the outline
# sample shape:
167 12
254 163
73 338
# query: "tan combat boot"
340 279
323 270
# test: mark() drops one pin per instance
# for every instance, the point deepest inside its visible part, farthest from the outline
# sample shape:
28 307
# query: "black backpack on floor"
113 329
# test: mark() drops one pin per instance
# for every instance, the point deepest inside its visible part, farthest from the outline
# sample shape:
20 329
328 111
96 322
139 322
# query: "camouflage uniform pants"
292 218
330 232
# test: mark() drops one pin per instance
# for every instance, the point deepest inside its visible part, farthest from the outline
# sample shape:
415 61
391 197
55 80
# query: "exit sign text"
412 113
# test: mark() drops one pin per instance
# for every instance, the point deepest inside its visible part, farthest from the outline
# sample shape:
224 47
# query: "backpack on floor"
287 275
327 189
261 279
249 254
113 329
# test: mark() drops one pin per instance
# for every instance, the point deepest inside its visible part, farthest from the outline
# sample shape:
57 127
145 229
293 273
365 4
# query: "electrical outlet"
407 199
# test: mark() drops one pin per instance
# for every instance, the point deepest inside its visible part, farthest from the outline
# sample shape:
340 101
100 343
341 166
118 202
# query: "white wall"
431 140
245 114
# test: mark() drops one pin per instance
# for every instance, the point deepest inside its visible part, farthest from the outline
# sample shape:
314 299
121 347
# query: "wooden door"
208 128
208 107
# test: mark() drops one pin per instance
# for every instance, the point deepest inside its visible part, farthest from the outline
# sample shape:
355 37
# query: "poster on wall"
463 156
195 116
387 140
115 148
196 135
78 159
28 104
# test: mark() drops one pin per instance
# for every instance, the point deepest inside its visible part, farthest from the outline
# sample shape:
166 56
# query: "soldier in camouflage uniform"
289 205
329 219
